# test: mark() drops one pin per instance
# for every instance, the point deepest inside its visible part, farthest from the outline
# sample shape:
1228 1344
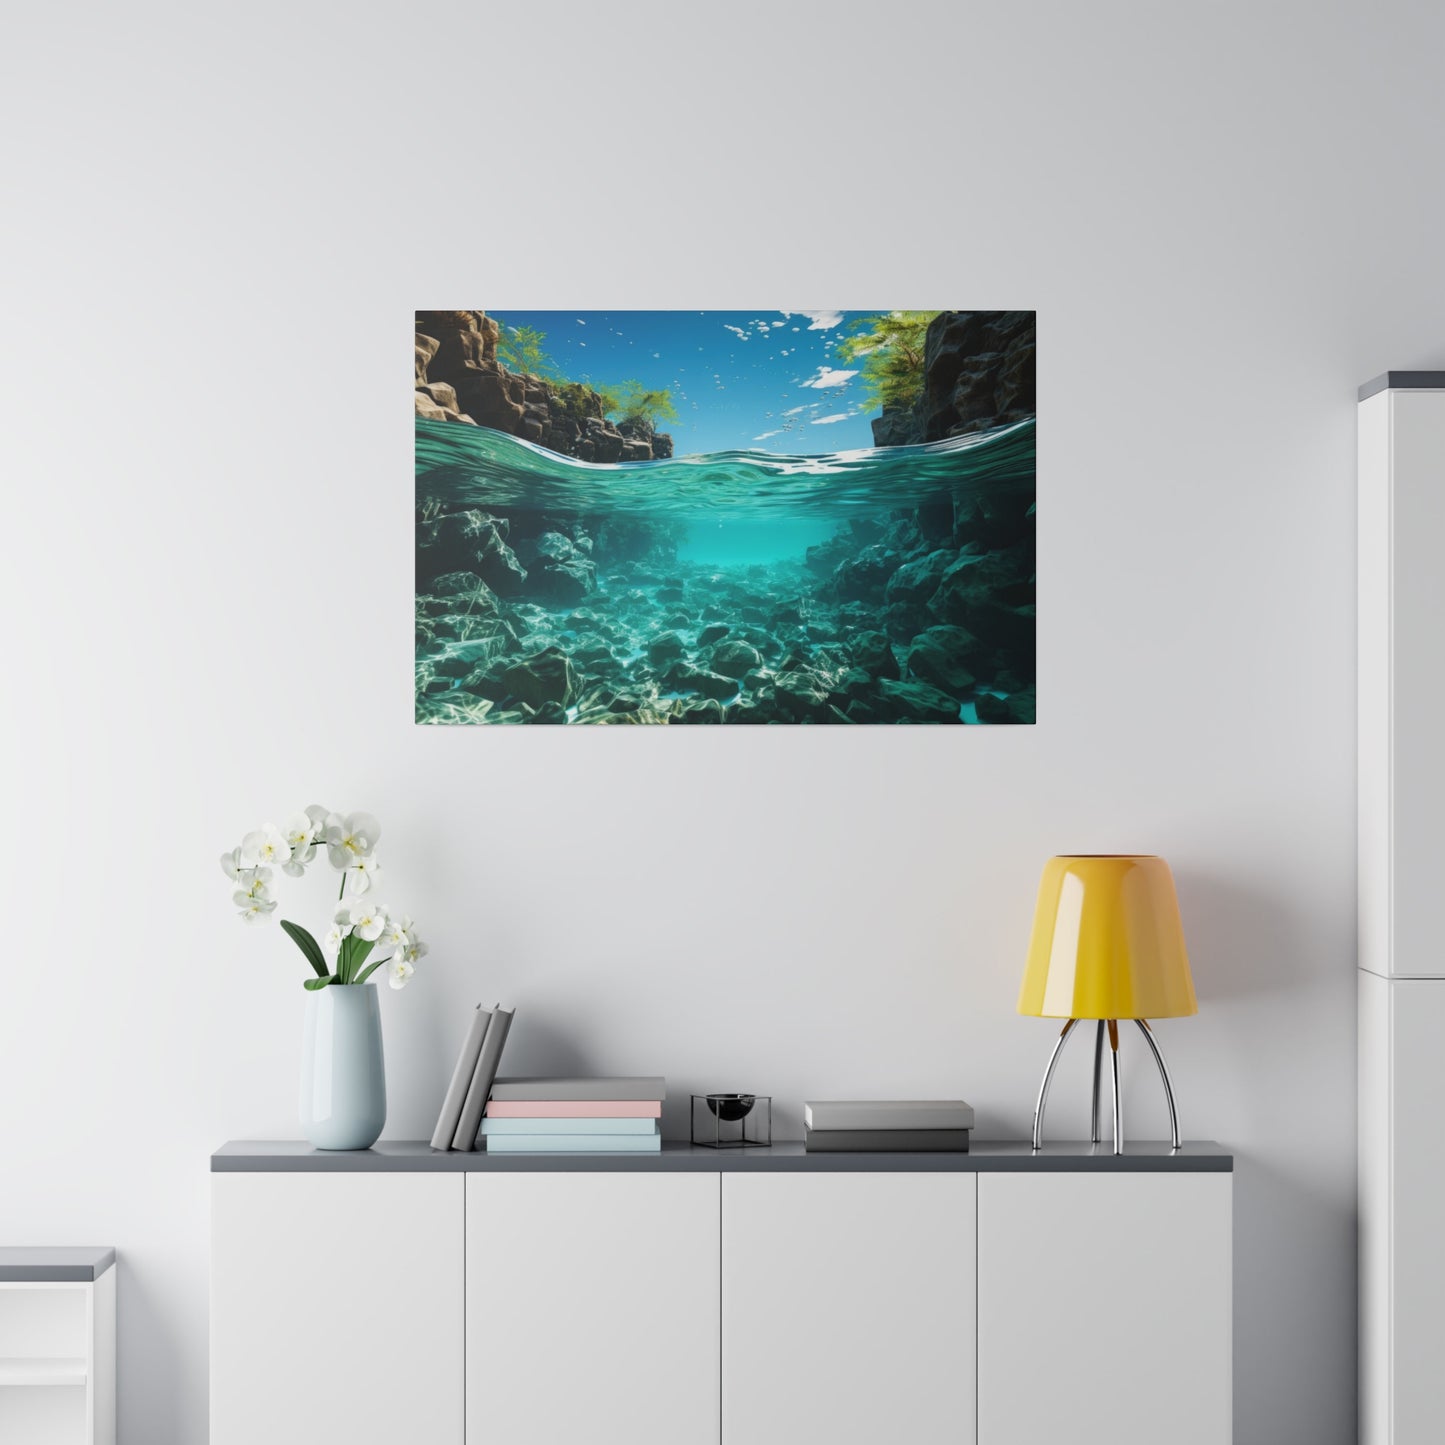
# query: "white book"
604 1127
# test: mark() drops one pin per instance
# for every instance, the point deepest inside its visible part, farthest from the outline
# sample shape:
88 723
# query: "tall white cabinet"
1401 886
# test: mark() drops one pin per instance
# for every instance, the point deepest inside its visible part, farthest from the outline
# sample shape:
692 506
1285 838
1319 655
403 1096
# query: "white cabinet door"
1417 675
1104 1309
848 1309
336 1309
1401 681
592 1309
1416 1160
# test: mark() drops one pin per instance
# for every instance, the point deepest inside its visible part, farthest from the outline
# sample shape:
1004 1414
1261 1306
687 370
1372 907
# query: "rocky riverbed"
922 617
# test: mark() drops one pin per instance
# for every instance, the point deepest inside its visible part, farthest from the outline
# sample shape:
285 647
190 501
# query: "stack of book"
913 1126
461 1114
575 1116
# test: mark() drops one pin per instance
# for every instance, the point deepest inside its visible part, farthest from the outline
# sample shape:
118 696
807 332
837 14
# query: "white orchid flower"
266 845
232 866
398 933
350 838
334 937
413 950
398 971
363 875
255 907
254 884
295 866
299 830
368 921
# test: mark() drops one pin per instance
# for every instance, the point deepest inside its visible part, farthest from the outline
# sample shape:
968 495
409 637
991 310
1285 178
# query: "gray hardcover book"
886 1141
516 1091
889 1114
482 1076
451 1113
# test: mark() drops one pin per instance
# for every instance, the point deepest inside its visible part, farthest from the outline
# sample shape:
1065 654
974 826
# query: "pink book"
575 1109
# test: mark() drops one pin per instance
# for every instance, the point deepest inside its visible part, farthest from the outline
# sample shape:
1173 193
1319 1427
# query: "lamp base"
1095 1133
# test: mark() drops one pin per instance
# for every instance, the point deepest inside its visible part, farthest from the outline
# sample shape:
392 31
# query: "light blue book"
494 1127
574 1144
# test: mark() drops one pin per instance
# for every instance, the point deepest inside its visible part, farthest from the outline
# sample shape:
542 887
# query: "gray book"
482 1077
886 1141
889 1114
451 1113
516 1091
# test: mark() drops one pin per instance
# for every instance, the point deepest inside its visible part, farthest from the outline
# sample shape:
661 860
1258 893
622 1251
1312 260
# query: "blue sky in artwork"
740 380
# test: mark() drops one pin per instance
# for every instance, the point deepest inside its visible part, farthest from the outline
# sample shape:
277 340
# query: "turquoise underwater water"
755 540
738 507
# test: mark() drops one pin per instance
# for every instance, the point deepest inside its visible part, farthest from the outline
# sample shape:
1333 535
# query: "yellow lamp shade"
1107 942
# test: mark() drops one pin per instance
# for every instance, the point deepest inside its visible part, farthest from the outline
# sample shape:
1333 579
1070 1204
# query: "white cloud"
837 416
736 331
793 411
818 320
763 436
581 322
827 377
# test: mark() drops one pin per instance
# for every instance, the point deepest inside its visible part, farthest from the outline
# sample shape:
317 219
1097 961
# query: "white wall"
214 233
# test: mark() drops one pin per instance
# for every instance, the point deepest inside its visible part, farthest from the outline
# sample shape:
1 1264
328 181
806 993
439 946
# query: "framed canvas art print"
767 517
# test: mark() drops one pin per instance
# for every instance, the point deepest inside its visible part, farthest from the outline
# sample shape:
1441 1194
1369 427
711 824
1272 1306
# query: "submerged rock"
916 582
874 654
801 695
562 583
462 584
914 702
940 656
714 631
706 711
665 647
734 659
683 677
547 677
864 576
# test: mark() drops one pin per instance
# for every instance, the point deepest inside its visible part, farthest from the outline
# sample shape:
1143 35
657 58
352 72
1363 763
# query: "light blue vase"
343 1078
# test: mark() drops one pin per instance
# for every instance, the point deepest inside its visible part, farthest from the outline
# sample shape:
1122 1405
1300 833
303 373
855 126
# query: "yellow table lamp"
1107 945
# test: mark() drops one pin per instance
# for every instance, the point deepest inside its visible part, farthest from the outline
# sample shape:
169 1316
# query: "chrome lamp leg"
1164 1075
1063 1038
1118 1097
1094 1135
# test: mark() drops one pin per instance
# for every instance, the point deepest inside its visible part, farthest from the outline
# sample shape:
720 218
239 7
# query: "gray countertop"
1404 381
283 1156
49 1264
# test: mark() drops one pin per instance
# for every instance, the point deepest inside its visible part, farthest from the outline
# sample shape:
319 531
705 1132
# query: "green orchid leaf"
314 983
371 969
308 946
361 947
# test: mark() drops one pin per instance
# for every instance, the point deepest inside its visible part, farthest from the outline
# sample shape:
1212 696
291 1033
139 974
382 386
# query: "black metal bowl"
731 1107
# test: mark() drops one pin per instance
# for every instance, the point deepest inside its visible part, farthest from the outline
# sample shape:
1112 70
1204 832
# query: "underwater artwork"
725 517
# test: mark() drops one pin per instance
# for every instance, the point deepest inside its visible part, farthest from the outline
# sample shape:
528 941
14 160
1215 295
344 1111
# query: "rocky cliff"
458 378
978 374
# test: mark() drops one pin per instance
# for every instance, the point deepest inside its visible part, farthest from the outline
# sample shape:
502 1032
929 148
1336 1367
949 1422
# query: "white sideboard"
1401 863
698 1297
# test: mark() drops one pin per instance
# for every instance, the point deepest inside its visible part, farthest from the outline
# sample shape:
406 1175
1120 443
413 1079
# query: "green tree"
890 347
632 401
519 348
